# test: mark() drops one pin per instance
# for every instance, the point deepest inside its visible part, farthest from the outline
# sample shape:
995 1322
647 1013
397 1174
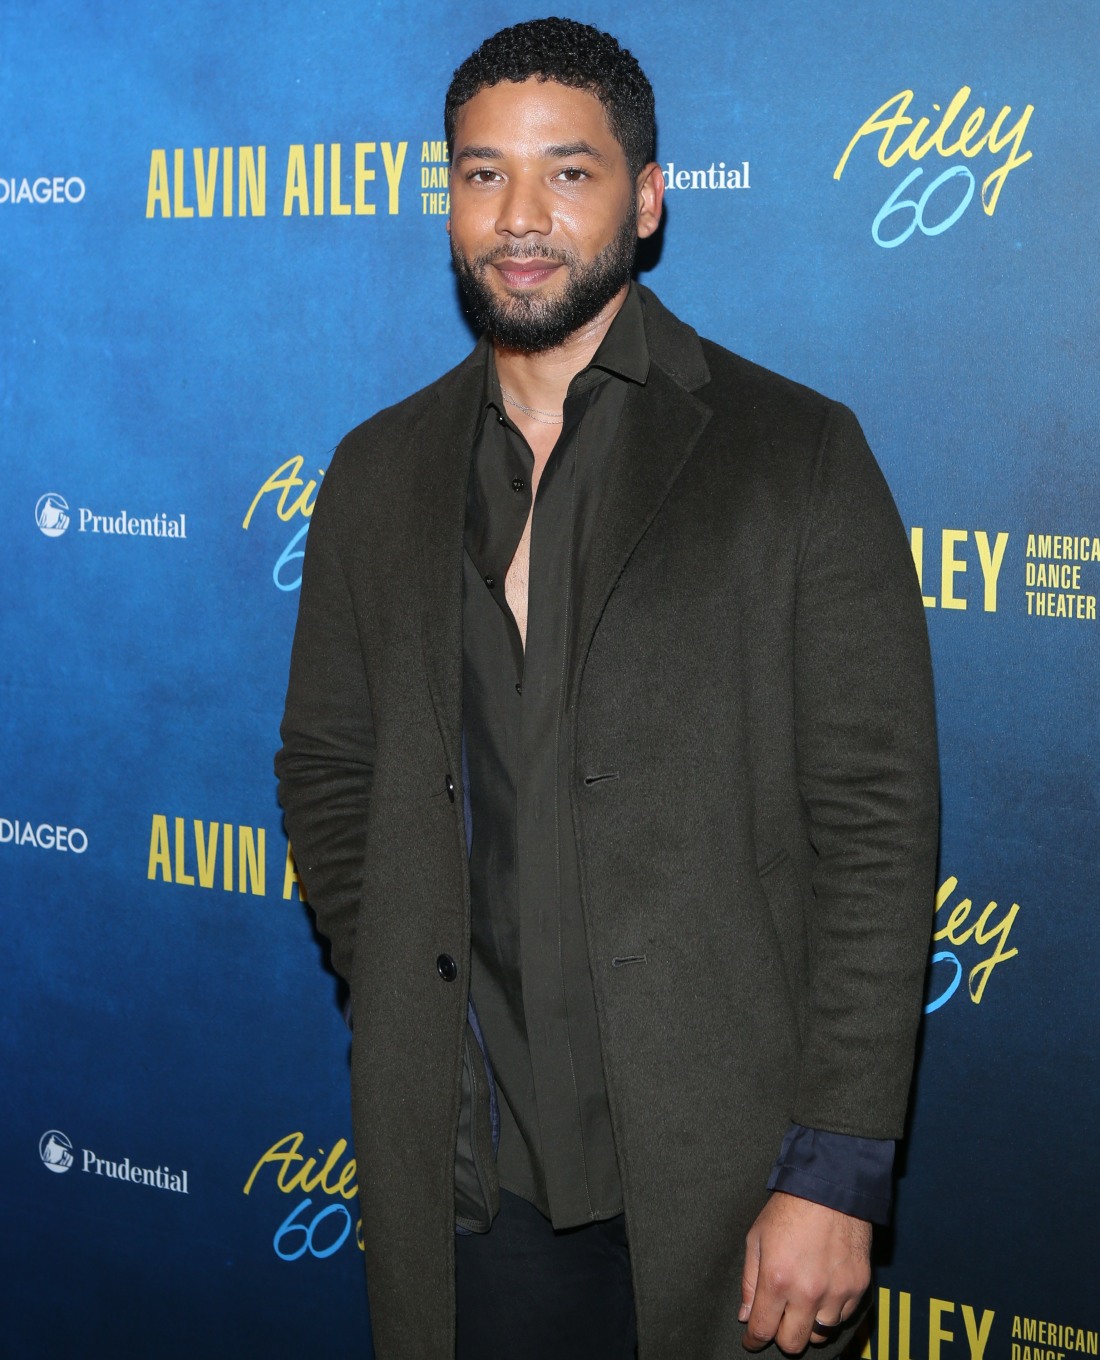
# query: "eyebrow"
563 152
570 149
478 153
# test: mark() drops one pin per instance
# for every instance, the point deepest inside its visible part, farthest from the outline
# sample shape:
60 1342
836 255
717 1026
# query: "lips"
521 274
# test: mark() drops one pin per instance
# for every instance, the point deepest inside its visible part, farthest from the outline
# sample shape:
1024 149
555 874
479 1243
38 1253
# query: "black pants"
526 1292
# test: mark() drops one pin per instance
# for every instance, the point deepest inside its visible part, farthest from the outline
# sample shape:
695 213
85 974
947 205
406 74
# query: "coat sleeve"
326 762
867 772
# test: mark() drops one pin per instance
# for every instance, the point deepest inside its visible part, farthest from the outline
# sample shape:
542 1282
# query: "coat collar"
661 423
446 440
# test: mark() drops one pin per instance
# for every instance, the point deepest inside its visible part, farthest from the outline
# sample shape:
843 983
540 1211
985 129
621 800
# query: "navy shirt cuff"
838 1170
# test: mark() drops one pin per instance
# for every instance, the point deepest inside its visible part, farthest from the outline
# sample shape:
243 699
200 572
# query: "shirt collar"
623 352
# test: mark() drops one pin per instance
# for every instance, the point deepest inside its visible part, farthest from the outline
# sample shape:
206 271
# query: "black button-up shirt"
530 975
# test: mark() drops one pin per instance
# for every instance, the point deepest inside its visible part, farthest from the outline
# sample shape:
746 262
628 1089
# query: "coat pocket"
787 912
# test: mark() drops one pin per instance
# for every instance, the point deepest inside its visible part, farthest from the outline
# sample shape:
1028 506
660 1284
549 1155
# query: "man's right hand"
805 1264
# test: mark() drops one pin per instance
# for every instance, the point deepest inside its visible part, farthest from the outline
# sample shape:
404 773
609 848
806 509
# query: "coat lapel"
660 425
447 439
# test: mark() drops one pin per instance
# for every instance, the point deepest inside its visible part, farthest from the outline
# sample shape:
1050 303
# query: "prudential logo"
55 1150
57 1154
51 514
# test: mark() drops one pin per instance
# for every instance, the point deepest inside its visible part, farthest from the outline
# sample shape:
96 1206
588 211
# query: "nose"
523 209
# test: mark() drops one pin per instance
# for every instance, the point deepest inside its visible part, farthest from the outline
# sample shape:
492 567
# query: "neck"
542 380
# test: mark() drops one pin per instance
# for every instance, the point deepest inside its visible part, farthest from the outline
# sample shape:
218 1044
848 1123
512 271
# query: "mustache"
521 252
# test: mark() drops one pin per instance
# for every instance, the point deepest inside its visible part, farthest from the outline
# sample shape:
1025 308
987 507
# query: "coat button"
449 785
446 967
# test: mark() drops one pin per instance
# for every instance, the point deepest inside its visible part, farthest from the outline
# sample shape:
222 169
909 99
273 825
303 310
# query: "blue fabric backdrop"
222 245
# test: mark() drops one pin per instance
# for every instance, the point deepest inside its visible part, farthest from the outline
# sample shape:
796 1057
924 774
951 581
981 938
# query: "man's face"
544 212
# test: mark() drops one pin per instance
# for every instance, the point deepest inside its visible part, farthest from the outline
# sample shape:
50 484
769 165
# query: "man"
609 767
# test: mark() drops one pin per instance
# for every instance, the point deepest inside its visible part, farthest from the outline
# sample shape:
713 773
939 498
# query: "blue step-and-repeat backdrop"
222 245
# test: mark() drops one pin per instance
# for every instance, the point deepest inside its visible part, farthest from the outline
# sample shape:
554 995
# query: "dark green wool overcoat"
750 659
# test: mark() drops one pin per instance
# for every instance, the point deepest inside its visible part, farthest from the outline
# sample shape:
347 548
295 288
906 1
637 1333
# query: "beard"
529 323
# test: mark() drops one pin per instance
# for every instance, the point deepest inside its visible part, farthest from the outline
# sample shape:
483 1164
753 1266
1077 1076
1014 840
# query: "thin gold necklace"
543 417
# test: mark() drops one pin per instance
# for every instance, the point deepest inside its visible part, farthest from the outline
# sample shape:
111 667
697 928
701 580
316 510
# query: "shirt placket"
538 833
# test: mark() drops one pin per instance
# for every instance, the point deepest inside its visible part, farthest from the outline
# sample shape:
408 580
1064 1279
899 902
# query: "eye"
572 174
482 175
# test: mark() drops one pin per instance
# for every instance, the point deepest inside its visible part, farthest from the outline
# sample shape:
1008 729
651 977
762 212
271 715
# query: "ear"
649 192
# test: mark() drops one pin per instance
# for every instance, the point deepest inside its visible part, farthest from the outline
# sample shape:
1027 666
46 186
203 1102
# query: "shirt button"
518 484
446 967
490 581
519 688
449 785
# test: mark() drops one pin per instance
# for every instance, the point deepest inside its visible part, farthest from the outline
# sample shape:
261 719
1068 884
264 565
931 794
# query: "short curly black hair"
573 54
